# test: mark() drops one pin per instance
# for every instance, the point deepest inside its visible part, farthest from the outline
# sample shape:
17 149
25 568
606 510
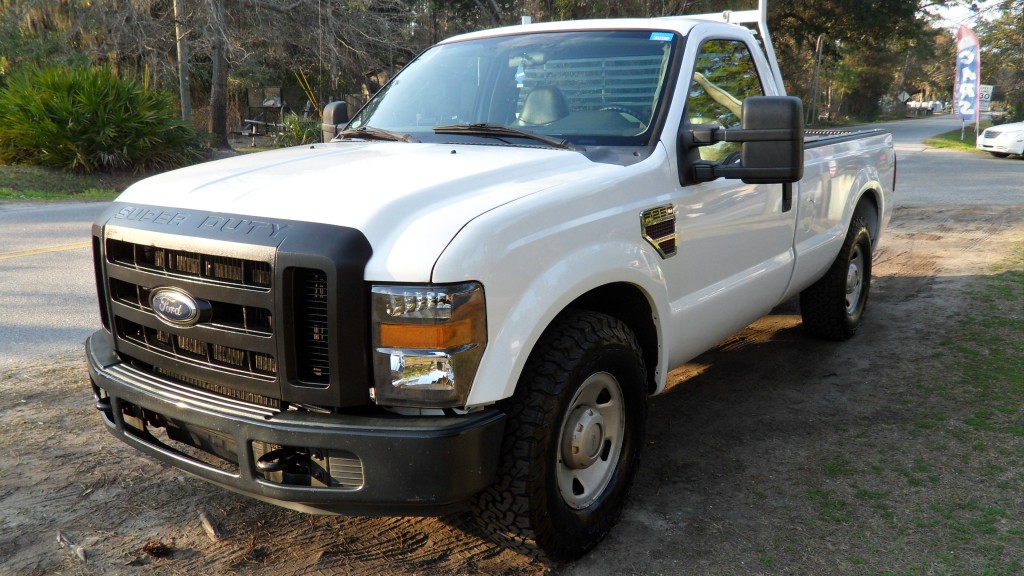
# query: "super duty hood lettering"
243 228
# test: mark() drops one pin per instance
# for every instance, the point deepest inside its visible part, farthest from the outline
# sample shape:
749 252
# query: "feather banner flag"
967 87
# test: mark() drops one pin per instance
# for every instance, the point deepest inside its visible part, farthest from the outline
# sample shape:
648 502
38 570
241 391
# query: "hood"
408 199
1010 127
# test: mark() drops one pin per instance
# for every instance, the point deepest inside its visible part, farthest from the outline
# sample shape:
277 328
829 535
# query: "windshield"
590 88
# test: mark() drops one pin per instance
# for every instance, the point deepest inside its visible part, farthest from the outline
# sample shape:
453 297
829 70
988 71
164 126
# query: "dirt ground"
772 453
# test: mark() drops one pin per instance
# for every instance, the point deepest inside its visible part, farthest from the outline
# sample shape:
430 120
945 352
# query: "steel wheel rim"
590 440
854 282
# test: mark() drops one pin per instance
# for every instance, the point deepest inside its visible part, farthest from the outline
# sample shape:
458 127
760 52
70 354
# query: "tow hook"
103 405
280 459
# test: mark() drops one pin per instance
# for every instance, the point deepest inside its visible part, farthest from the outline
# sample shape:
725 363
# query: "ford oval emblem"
174 306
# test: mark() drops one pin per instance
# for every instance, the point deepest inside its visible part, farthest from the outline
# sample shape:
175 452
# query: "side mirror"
772 137
335 115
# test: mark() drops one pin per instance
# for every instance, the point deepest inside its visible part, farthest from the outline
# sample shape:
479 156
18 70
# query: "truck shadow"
736 429
736 443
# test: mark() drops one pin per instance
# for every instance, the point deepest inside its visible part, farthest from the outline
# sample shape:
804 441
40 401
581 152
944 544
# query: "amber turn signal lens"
427 336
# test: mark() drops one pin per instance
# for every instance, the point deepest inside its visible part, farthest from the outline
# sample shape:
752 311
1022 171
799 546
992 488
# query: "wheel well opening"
627 303
867 207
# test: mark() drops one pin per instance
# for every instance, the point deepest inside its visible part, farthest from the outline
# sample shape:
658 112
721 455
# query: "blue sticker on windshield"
662 36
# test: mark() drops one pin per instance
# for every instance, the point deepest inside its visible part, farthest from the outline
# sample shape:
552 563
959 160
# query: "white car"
1003 140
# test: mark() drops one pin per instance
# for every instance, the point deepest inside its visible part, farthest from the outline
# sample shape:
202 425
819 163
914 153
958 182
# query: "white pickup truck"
467 296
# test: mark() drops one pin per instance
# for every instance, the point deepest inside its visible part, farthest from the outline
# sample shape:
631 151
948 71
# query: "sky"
954 16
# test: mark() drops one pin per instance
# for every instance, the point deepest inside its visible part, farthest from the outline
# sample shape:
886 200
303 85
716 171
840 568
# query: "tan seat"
543 105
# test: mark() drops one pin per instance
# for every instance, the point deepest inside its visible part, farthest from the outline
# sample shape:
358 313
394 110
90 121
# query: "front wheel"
572 445
832 307
999 154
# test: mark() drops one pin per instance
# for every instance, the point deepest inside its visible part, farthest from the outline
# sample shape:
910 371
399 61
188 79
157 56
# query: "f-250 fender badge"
176 307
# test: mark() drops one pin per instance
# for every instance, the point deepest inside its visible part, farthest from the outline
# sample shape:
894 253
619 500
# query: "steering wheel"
624 110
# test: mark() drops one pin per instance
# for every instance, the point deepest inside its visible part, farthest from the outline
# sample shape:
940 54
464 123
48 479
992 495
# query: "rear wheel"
832 307
575 430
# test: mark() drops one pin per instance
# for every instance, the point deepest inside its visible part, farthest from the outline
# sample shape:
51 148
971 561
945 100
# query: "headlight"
427 343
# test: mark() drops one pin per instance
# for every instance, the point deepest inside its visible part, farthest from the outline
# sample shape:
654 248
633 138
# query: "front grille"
313 341
237 337
235 317
168 262
197 352
270 311
230 351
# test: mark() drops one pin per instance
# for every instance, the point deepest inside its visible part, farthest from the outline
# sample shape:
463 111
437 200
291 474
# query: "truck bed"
820 137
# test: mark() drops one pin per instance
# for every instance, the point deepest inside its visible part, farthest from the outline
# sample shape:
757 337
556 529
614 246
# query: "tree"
184 76
866 49
217 29
219 48
1002 43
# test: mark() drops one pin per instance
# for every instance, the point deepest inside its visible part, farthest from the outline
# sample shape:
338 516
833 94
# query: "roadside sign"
985 97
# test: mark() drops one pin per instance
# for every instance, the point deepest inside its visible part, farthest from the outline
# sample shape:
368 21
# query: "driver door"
735 241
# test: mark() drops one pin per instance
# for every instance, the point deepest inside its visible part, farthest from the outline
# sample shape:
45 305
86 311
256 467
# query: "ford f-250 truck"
466 298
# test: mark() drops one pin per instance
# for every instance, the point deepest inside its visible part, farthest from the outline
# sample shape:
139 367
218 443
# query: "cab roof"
678 24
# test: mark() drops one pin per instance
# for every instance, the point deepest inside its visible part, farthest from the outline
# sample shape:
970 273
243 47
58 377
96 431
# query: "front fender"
536 255
516 324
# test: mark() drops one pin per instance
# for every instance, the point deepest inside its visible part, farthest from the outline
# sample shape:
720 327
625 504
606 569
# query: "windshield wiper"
370 133
498 130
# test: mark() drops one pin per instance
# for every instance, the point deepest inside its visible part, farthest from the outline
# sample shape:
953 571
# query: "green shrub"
296 130
90 120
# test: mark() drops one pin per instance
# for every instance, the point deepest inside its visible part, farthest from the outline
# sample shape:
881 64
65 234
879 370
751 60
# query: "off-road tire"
584 360
833 307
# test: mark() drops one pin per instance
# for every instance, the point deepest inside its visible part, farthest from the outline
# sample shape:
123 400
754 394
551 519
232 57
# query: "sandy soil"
732 480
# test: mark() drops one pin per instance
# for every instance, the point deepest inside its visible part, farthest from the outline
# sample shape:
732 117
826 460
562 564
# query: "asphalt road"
47 292
47 288
929 177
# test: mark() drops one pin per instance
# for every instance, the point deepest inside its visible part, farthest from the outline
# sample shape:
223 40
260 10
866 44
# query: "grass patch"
838 469
991 353
952 140
20 183
90 195
830 507
246 149
984 402
942 488
31 183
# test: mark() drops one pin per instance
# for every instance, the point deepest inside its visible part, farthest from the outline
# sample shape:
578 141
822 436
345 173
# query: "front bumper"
1004 144
993 147
393 465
